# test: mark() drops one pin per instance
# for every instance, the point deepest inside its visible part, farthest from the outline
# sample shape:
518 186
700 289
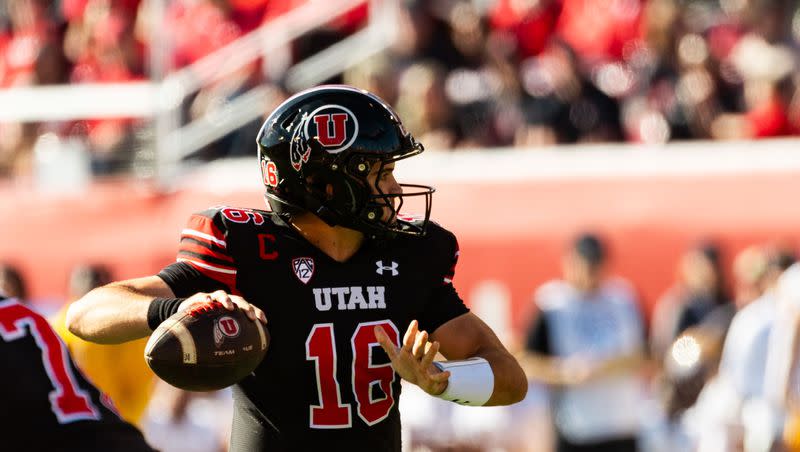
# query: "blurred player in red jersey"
42 390
117 370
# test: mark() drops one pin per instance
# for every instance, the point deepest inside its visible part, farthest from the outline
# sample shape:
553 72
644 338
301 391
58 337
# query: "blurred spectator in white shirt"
587 343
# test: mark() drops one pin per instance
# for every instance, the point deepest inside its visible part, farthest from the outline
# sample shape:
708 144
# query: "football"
206 348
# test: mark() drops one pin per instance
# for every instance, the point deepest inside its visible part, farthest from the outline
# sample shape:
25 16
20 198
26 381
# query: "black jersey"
325 380
42 391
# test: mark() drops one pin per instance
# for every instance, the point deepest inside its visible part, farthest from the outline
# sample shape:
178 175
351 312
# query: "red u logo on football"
331 129
229 326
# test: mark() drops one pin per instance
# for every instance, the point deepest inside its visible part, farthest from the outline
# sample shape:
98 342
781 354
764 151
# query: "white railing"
378 34
578 162
269 37
217 123
161 100
84 101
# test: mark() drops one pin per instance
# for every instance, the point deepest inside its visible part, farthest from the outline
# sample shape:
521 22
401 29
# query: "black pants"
613 445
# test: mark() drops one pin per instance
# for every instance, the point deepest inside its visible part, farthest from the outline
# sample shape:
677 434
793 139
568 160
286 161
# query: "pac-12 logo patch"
333 126
225 326
303 268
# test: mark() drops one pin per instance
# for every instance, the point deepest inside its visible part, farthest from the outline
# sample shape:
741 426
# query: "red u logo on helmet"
333 126
331 123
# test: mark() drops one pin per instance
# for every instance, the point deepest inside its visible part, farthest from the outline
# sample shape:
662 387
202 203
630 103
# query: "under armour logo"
382 267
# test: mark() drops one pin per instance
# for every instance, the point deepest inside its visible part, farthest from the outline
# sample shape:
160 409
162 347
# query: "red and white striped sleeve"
204 246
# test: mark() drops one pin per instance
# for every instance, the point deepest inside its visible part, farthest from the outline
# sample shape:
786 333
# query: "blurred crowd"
707 372
462 73
714 368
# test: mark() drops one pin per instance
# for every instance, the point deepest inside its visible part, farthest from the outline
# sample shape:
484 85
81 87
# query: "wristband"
161 309
471 381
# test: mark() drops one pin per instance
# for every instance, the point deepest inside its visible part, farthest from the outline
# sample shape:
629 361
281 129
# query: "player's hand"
228 301
414 360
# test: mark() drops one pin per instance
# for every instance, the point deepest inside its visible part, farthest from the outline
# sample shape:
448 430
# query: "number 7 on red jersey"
67 400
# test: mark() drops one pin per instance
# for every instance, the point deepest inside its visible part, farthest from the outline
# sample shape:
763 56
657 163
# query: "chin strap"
331 218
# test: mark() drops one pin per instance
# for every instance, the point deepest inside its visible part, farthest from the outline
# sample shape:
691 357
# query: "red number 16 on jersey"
321 348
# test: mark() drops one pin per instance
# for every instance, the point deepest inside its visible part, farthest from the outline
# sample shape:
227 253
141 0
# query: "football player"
356 292
43 392
117 370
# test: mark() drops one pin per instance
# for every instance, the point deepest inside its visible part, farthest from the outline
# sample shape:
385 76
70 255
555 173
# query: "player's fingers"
260 315
236 299
206 299
411 335
419 345
430 354
248 309
386 343
222 297
198 298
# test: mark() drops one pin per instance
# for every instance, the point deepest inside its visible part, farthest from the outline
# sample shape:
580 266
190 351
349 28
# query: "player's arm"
128 310
467 336
118 312
492 377
479 370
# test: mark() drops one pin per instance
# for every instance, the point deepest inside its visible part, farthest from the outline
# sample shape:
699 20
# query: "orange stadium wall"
512 230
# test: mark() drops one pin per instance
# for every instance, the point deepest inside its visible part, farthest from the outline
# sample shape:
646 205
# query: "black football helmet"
335 134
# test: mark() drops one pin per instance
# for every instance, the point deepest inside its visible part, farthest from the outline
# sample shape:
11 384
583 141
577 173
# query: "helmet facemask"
361 204
384 210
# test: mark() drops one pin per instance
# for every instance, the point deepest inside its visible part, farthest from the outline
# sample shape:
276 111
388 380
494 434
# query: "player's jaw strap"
471 381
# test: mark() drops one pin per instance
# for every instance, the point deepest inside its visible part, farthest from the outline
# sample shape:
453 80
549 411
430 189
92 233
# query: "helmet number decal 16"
270 172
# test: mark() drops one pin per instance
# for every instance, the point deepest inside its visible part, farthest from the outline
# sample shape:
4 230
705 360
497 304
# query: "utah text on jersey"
349 298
